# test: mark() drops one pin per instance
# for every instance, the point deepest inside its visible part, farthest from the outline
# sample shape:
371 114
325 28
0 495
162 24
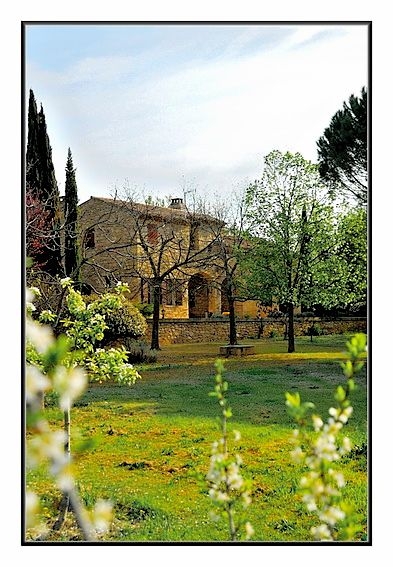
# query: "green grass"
151 442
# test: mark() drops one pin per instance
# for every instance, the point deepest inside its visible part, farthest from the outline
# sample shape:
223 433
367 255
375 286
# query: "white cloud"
212 122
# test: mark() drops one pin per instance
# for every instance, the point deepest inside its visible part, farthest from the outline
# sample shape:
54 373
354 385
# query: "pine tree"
342 150
71 246
41 183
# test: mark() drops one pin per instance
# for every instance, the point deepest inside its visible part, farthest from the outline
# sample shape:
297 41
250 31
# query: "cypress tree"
41 183
32 159
71 246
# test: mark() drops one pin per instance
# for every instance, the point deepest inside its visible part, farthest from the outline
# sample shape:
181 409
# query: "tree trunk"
232 321
155 343
291 328
65 505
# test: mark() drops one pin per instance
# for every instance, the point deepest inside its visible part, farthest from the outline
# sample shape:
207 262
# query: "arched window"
90 238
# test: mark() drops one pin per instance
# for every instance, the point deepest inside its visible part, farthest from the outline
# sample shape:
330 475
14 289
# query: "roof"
151 210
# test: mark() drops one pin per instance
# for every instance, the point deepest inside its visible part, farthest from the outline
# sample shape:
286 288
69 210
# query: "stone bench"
237 350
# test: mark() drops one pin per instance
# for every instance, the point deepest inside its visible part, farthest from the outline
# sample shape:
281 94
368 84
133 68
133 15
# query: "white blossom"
332 515
237 435
338 477
249 530
69 383
317 422
32 505
345 414
346 445
64 282
36 383
321 532
334 412
297 455
40 336
48 445
102 516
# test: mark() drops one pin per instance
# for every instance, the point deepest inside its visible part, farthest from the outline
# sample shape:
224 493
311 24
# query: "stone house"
147 245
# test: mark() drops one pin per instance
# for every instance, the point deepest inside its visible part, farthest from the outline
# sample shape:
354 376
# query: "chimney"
177 203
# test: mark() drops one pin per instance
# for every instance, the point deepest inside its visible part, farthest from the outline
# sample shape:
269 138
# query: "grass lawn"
151 442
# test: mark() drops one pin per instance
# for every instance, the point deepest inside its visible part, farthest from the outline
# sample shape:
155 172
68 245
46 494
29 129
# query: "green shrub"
125 321
139 351
315 330
145 308
273 334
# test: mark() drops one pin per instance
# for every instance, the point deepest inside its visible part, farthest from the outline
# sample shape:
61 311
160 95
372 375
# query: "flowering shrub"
319 451
111 363
48 446
227 488
85 326
61 366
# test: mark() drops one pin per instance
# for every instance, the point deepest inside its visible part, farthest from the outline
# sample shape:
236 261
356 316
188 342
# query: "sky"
170 109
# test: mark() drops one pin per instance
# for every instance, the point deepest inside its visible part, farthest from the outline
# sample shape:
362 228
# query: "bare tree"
158 247
231 243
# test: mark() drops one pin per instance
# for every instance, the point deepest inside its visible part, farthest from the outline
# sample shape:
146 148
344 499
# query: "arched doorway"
198 296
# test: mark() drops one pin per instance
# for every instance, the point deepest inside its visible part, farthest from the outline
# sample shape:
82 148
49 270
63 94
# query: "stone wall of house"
112 254
211 330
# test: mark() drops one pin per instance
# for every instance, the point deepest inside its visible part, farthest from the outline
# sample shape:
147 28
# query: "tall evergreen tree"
71 246
33 177
342 150
41 183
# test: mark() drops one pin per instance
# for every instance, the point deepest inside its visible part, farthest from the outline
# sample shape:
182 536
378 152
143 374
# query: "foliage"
292 228
37 231
230 245
342 150
139 351
287 211
341 278
109 364
227 488
321 485
71 245
304 251
352 252
124 321
42 185
145 308
85 327
315 330
47 446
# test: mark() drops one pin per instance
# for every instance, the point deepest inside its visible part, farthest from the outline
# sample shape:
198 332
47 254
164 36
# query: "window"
152 234
90 238
150 292
174 292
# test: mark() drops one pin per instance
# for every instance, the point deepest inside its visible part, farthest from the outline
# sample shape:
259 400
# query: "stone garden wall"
175 331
